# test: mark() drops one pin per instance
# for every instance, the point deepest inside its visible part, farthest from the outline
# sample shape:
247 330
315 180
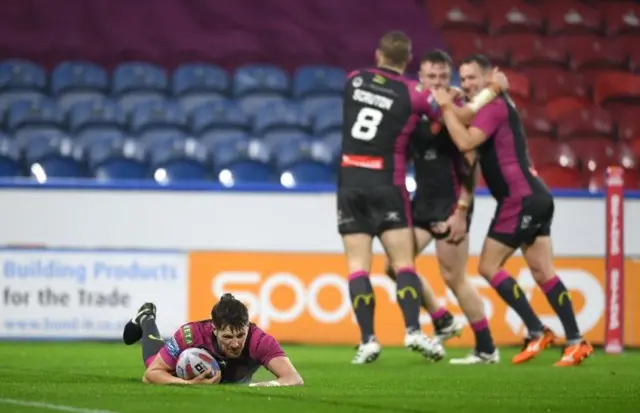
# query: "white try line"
59 407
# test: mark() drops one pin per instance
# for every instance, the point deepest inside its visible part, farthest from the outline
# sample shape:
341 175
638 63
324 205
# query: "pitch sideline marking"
59 407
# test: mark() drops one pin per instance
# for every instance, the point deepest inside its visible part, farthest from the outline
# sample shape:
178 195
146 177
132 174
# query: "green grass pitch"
87 377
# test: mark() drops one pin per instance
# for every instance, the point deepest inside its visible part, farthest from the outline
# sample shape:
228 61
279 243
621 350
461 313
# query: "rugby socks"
392 274
409 294
364 302
560 300
513 295
484 341
152 341
441 319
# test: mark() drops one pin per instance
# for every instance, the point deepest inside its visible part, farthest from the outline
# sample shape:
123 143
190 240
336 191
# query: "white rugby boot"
368 352
452 330
431 348
476 357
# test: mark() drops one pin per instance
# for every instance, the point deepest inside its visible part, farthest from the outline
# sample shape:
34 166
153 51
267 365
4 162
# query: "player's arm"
269 353
159 372
467 112
465 139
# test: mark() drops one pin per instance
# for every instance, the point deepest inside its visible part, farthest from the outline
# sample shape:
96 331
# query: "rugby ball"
194 361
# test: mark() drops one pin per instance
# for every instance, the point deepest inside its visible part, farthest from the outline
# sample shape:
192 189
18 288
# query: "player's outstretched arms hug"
160 372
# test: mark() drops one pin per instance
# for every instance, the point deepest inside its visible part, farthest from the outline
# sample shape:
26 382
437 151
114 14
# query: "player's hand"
457 223
442 96
456 92
206 377
500 78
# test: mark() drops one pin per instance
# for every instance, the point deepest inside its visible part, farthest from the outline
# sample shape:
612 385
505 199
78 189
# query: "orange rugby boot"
575 354
534 346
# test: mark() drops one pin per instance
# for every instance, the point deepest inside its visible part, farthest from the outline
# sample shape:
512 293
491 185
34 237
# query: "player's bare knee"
488 269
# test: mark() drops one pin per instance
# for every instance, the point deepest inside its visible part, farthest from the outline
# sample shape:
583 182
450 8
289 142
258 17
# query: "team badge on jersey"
188 335
173 348
357 81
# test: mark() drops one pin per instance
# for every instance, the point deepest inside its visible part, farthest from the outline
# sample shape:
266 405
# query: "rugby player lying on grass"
239 347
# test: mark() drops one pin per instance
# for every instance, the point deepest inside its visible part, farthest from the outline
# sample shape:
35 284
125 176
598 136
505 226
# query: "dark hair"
480 60
230 312
437 56
395 46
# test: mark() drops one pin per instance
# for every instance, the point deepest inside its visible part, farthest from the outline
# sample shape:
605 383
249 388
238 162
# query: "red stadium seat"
536 122
588 53
634 145
545 151
628 125
594 153
549 84
557 176
518 84
625 157
590 122
559 107
458 15
463 44
514 18
620 18
529 50
571 17
630 44
596 179
617 87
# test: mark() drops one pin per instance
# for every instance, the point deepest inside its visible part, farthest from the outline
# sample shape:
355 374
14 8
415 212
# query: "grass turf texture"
107 377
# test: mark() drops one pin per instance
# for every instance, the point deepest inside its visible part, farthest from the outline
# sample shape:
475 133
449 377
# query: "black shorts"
373 210
427 212
519 221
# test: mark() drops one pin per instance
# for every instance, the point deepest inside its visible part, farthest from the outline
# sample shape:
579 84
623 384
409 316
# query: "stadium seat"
158 122
73 82
520 17
557 176
196 83
185 160
21 80
318 82
327 121
243 162
620 18
594 153
548 84
55 158
279 120
544 152
277 141
311 106
304 162
462 45
97 140
612 88
258 85
333 142
214 138
43 117
218 117
532 50
519 86
571 17
596 179
536 122
628 125
99 115
590 122
459 15
634 145
9 157
590 54
562 106
624 156
138 82
117 159
254 103
632 51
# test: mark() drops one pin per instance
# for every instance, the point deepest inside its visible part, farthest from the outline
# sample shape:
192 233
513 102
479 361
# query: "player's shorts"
428 212
373 210
519 221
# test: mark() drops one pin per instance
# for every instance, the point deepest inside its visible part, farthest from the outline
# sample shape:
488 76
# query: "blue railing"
200 186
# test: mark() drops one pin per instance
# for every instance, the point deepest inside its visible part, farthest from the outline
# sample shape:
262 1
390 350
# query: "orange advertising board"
303 298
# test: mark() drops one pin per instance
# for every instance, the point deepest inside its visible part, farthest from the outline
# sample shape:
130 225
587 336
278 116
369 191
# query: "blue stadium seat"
42 117
158 122
266 80
196 83
243 162
100 141
312 106
214 138
99 115
304 162
277 141
280 118
73 82
222 116
57 158
318 81
117 159
184 161
252 104
21 80
327 121
9 157
333 142
137 82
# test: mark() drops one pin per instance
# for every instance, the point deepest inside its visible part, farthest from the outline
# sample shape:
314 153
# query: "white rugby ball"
194 361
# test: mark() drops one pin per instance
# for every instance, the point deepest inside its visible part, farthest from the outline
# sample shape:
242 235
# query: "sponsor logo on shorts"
173 348
188 336
362 161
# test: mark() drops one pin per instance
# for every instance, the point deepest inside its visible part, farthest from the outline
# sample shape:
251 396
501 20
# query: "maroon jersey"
259 350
